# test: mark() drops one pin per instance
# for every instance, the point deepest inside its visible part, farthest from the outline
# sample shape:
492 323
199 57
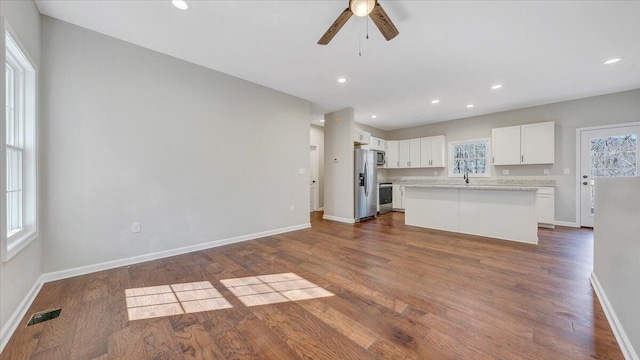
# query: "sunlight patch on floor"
272 289
174 299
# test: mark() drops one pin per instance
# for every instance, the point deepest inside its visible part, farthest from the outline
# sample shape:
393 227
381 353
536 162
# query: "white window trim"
488 164
30 232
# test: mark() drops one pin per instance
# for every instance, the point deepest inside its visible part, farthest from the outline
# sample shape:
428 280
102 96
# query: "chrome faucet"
466 173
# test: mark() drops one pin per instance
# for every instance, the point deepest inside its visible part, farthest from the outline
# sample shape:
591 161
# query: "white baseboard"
625 345
340 219
567 224
14 321
321 208
64 274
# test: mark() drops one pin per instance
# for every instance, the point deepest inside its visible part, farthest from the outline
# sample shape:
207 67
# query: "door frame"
316 169
579 158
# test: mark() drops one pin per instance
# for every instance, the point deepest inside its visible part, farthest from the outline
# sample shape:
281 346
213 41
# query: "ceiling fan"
362 8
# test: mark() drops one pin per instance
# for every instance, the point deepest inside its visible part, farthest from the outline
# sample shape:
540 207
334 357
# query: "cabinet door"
425 152
393 161
545 205
414 153
396 201
375 143
437 151
361 137
505 145
403 153
537 143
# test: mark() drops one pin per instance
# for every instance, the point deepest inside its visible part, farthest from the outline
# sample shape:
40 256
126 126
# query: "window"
470 156
20 147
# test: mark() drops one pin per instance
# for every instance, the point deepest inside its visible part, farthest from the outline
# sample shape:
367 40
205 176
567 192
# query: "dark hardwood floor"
400 292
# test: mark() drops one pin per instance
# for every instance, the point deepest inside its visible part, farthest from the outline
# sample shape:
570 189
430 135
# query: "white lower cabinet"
398 197
545 203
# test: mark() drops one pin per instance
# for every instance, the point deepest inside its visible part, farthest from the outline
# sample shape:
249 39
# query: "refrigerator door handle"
366 180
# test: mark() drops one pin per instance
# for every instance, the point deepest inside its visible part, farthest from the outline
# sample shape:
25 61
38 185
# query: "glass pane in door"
613 156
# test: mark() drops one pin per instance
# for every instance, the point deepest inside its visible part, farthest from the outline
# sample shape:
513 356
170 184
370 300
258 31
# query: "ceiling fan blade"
335 27
384 24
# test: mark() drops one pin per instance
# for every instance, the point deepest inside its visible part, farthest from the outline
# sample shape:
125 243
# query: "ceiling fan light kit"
362 8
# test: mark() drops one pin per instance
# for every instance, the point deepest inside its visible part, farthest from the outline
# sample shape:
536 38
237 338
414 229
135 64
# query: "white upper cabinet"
526 144
538 142
409 153
505 145
361 137
403 153
393 161
432 151
378 144
414 153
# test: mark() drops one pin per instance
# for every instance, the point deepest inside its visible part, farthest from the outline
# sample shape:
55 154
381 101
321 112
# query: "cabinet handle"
493 159
408 163
521 158
398 164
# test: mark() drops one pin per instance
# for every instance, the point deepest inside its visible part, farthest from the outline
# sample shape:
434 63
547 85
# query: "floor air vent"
44 316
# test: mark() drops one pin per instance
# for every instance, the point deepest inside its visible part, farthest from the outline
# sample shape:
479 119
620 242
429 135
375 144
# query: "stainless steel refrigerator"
366 190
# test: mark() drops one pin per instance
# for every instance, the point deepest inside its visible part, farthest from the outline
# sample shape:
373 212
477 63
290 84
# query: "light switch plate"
505 172
302 171
567 171
546 171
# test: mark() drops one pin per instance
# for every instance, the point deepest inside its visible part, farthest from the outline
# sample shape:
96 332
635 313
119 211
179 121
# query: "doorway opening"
313 179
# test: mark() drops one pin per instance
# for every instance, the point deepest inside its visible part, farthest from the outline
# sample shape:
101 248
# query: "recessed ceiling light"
321 120
373 116
180 4
342 80
496 87
435 101
470 106
612 61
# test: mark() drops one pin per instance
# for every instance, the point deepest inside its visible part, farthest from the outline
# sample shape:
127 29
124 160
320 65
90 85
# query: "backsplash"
530 181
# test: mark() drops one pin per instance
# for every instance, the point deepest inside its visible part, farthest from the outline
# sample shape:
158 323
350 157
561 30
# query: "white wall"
19 275
617 251
615 108
317 140
338 144
132 135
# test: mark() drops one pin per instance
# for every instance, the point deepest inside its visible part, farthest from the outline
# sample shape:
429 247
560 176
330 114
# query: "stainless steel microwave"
381 157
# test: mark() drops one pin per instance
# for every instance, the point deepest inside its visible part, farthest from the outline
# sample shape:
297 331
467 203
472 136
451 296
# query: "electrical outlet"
302 171
567 171
293 208
505 172
546 171
135 227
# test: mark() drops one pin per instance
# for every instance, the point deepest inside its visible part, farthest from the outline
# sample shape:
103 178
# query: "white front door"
605 152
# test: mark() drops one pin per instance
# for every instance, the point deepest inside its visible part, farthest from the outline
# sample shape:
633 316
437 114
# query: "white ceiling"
541 51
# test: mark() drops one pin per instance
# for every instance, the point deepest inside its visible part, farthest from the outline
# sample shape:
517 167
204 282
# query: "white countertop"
472 187
476 183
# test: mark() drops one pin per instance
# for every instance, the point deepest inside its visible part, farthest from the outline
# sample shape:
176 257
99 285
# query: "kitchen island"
503 212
